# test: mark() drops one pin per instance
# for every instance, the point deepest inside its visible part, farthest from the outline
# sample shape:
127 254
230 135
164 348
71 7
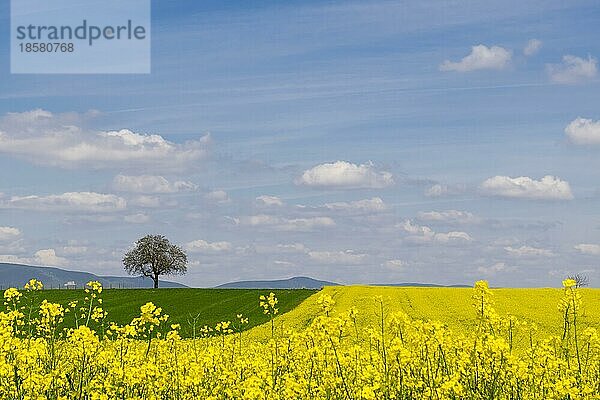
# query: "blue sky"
359 142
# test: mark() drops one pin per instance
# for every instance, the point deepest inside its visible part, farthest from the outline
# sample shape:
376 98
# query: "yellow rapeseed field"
357 343
452 306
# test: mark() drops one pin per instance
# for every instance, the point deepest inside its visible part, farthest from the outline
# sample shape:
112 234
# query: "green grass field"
210 305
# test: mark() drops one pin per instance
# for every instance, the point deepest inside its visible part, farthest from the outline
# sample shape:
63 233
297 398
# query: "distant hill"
298 282
302 282
16 275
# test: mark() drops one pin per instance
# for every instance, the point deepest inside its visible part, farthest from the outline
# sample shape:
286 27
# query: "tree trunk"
155 279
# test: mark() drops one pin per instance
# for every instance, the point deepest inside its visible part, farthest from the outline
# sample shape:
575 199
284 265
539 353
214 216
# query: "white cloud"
573 70
395 264
453 237
260 219
48 257
436 190
282 248
218 196
96 219
149 184
583 131
306 224
145 201
286 224
71 201
528 251
12 259
590 249
61 140
202 246
450 216
74 250
284 263
532 47
292 248
269 201
9 233
424 234
481 57
548 188
409 227
495 269
440 190
375 204
138 218
345 175
347 257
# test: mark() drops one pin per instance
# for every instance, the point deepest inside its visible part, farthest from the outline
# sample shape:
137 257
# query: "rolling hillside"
183 305
452 306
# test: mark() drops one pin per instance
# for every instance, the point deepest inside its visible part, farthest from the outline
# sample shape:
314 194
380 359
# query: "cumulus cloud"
449 216
583 131
282 248
424 234
573 70
286 224
202 246
494 269
150 184
49 257
269 201
481 57
291 248
61 140
548 188
345 175
590 249
454 236
218 197
74 250
395 264
347 257
532 47
13 259
528 251
9 233
44 257
71 201
436 190
284 263
138 218
145 201
441 190
375 204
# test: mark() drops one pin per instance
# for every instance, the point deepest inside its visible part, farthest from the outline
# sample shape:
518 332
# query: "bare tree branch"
580 280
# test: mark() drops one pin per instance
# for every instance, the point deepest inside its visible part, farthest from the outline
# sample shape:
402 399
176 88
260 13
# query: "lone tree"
154 255
580 280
